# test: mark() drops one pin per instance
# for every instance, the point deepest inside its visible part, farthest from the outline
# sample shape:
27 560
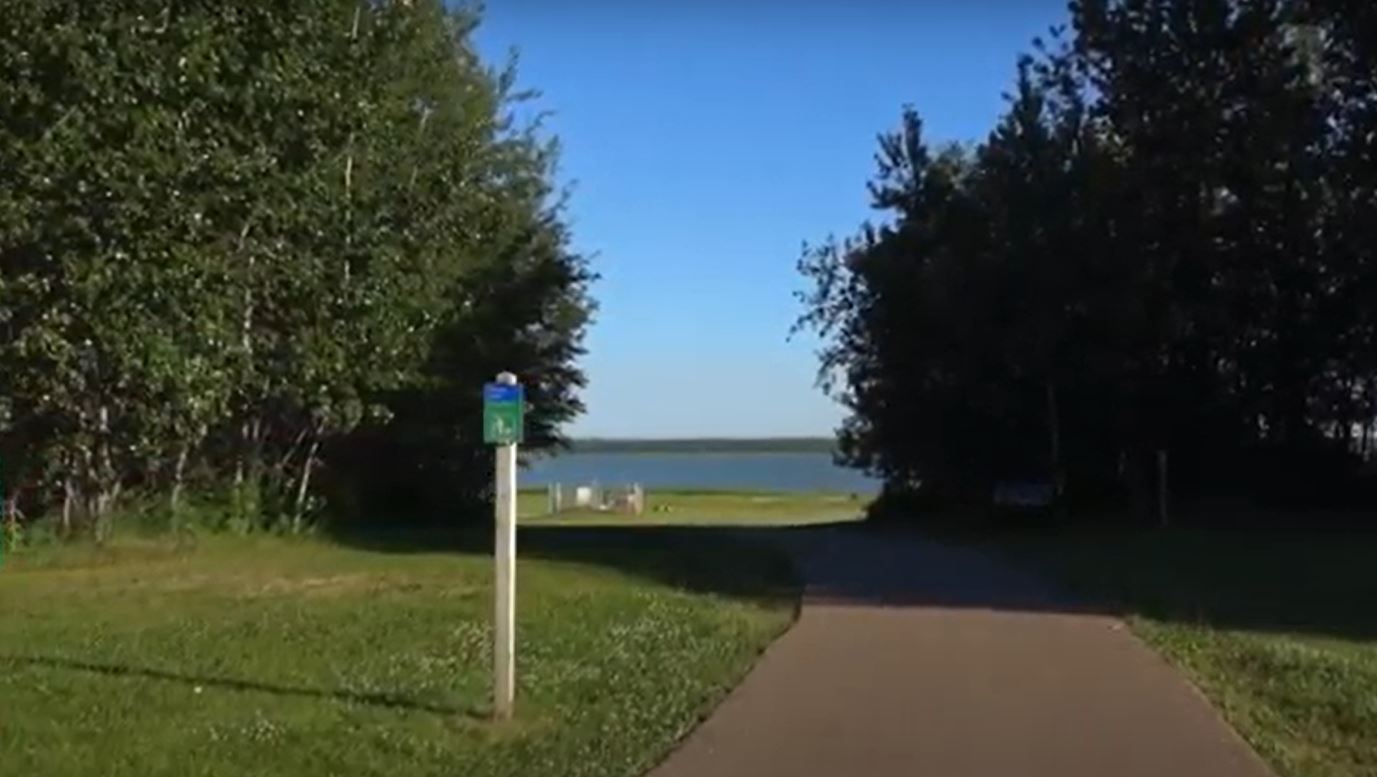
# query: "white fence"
628 499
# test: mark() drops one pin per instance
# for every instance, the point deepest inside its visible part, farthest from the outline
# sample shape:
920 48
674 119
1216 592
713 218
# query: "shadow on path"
1312 583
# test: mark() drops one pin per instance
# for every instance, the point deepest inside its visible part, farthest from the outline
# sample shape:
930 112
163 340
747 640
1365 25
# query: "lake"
711 471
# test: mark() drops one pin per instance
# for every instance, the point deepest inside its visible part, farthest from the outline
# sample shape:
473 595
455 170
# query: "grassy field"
371 656
700 508
1278 629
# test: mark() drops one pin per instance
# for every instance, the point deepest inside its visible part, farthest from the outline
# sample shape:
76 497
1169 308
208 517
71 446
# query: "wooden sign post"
503 428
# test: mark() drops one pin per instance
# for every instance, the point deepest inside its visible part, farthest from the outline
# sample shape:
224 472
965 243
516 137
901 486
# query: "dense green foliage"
268 250
1165 247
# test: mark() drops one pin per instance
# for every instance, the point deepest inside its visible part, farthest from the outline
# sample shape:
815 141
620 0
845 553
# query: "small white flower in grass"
196 690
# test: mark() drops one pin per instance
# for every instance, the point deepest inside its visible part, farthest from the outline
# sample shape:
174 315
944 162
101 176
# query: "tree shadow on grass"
736 562
391 701
1318 582
1314 582
842 563
1310 583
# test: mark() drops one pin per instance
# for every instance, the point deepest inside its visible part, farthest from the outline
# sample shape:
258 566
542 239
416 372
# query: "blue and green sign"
504 409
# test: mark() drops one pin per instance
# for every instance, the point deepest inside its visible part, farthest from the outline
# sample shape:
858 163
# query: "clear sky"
706 141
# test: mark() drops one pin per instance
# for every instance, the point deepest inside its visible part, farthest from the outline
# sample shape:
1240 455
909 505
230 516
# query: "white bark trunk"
68 499
303 486
107 486
178 477
11 518
245 344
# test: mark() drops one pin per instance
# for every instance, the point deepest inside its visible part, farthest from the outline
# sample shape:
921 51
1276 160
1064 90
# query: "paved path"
911 658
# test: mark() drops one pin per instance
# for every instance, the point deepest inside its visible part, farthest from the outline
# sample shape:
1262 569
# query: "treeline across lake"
707 445
260 257
1155 278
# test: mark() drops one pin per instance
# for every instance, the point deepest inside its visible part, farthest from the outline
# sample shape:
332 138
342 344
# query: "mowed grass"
1278 628
681 507
279 657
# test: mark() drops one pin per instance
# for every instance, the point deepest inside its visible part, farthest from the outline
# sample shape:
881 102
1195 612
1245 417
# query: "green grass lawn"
372 657
1279 629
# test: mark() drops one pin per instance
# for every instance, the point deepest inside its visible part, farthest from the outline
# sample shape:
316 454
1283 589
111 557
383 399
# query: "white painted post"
504 621
556 498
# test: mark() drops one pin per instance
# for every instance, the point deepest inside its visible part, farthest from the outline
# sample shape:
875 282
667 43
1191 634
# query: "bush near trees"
1164 247
264 254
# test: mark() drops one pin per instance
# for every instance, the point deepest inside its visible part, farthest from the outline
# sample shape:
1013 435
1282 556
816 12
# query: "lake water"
714 471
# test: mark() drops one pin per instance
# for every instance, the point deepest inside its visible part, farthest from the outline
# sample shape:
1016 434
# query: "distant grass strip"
699 507
291 658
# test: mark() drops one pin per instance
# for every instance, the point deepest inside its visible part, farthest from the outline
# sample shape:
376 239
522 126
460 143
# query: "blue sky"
706 141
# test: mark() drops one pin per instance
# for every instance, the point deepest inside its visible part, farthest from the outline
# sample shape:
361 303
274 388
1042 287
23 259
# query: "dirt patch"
327 585
244 585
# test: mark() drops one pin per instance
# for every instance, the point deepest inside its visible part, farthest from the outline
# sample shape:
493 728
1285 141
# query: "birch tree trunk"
178 479
68 499
304 484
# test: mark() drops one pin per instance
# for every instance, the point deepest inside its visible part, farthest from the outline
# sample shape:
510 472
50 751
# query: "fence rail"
626 498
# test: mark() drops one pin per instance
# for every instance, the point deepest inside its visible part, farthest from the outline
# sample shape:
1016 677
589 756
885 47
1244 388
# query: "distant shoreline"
706 445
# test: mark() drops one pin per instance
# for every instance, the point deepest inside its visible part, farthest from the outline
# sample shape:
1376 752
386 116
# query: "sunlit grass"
280 657
701 507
